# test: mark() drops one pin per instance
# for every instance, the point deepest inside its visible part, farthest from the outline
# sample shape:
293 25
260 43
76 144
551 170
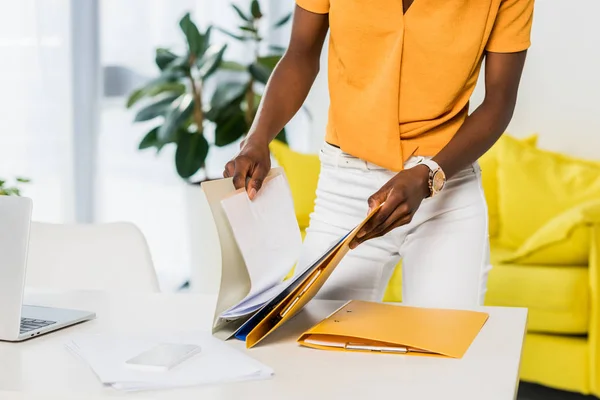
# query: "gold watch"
437 177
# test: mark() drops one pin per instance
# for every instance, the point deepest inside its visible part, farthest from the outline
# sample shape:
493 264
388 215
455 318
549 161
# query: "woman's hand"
250 167
401 197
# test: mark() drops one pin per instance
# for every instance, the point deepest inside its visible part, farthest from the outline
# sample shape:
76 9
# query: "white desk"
41 368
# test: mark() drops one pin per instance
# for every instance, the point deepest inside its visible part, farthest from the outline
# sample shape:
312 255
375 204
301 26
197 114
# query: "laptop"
17 321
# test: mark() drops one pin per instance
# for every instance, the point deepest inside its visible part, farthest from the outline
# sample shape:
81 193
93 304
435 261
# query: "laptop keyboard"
30 324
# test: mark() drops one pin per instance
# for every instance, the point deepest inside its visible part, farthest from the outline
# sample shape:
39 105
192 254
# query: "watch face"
439 180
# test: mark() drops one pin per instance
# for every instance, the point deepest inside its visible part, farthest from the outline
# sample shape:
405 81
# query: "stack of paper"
106 355
267 233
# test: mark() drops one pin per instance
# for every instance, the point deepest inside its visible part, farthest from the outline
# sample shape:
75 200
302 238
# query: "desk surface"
42 368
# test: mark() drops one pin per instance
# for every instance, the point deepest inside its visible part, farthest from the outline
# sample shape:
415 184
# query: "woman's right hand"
250 166
284 94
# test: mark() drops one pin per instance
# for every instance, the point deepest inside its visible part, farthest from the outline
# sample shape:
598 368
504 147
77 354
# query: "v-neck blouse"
400 85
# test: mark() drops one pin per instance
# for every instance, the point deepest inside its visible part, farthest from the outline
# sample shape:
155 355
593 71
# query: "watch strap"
432 165
433 169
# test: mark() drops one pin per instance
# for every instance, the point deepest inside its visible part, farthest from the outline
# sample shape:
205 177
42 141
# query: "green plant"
235 101
175 100
13 190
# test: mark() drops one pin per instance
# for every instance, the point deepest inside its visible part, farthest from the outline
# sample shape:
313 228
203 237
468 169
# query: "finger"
396 214
404 221
229 169
382 214
399 217
256 181
242 168
378 198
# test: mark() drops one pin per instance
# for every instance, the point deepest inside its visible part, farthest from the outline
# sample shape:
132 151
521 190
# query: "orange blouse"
400 84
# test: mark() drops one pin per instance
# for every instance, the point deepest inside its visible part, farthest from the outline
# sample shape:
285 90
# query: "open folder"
386 328
249 308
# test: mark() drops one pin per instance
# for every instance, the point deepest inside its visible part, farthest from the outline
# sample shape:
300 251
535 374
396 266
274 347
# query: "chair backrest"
113 256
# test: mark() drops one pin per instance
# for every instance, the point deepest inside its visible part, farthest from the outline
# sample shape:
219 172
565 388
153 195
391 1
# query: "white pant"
444 250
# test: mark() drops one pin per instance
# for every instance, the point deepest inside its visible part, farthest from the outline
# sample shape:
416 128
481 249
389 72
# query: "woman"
399 135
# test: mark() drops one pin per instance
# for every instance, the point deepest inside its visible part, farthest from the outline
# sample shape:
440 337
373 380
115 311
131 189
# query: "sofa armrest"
594 328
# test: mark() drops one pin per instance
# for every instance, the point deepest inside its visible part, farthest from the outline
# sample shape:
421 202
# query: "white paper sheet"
216 363
267 233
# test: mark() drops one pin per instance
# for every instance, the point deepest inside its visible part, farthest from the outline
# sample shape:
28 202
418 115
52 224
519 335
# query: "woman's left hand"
401 197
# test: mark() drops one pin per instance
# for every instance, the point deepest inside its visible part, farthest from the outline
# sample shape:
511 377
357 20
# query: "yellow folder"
385 328
280 310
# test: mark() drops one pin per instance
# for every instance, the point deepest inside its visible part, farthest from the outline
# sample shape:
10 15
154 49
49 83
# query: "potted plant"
14 189
235 101
175 99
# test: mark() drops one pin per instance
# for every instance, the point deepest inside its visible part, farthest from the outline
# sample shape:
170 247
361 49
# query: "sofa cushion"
557 296
564 240
489 177
536 185
302 172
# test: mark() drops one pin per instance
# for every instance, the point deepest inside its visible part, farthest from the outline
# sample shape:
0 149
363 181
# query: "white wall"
560 91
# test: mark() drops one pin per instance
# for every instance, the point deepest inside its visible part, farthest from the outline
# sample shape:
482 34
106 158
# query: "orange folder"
385 328
277 312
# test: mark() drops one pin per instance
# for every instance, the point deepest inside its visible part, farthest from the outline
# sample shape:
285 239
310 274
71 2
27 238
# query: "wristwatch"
437 178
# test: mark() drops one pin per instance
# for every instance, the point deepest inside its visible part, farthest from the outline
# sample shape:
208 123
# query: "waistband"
334 156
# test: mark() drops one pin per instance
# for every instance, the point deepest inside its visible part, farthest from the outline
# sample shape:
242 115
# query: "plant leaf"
149 140
227 110
249 29
192 149
179 66
21 179
167 76
240 13
205 44
233 66
12 191
282 136
282 21
163 58
192 34
259 72
226 93
156 108
269 61
230 129
178 112
211 60
255 9
135 96
169 87
233 35
277 49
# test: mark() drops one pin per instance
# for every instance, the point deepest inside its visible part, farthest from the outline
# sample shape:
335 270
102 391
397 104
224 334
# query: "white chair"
112 256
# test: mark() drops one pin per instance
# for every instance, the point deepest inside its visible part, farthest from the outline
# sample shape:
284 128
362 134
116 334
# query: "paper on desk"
217 362
268 236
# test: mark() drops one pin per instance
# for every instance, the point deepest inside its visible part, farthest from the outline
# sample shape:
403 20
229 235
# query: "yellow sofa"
544 219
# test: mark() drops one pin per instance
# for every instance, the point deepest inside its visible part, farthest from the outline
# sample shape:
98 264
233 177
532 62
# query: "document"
216 362
260 243
268 236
